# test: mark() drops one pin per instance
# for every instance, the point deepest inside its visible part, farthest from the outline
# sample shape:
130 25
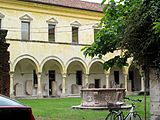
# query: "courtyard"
60 109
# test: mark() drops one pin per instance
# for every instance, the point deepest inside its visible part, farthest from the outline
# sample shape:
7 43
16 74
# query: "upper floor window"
52 22
96 29
75 34
75 31
95 32
25 26
25 30
51 32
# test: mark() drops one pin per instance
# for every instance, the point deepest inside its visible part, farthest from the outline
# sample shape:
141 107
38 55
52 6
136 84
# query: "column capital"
11 73
107 72
125 74
86 75
64 75
39 73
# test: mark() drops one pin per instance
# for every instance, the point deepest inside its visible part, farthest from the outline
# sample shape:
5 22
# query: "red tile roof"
77 4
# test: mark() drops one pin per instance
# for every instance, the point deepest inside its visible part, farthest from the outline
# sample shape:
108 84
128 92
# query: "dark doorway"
97 83
116 77
51 79
79 77
131 77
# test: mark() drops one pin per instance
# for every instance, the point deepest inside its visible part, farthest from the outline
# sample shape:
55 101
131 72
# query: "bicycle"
117 114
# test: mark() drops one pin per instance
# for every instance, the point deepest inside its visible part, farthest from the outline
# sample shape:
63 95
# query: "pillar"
86 80
125 79
107 80
142 78
107 73
39 84
11 84
142 83
64 83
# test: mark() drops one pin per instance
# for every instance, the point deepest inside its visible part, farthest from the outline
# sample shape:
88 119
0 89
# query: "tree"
132 26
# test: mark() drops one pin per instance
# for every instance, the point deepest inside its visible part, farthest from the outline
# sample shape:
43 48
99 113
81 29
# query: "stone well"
101 98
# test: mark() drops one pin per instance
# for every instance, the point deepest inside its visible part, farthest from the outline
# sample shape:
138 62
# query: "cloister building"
46 38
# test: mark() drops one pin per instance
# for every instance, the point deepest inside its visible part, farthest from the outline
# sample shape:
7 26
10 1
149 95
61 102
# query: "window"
25 31
75 34
116 77
35 77
51 32
79 77
95 32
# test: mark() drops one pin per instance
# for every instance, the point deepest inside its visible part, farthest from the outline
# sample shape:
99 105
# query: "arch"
93 61
52 58
79 60
126 68
26 56
134 76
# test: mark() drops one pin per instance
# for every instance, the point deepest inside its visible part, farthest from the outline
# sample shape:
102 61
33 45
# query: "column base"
39 95
63 95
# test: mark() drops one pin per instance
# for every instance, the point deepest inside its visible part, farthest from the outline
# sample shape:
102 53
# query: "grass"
60 109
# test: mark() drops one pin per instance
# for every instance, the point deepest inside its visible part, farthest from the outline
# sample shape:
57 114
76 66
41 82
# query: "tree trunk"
155 94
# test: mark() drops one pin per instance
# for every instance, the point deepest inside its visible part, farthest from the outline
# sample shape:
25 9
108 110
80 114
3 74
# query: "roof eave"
61 5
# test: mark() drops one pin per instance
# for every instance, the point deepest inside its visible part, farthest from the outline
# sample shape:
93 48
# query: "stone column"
142 78
107 80
64 83
86 80
11 84
39 85
125 79
142 83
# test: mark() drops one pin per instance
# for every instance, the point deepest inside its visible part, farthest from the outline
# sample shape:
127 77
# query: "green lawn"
60 109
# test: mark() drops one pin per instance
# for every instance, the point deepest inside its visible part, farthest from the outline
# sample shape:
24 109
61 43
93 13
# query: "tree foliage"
132 26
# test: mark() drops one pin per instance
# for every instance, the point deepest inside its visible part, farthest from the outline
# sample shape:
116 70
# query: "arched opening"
116 78
96 75
134 79
51 78
75 77
25 78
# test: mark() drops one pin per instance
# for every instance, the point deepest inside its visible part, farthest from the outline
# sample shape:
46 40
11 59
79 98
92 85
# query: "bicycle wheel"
113 116
136 117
